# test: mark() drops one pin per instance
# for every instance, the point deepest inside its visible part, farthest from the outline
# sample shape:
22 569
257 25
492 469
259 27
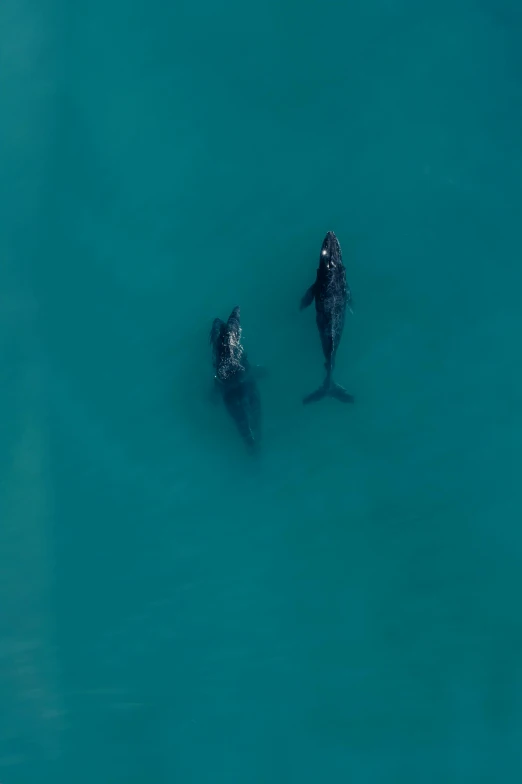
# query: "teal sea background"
348 608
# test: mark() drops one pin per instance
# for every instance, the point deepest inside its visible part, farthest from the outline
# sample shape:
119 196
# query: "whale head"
331 256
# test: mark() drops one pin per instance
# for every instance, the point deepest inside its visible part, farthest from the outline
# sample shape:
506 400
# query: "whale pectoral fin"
308 298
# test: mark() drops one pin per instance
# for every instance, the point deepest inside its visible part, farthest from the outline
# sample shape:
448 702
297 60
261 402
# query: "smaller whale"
235 378
332 295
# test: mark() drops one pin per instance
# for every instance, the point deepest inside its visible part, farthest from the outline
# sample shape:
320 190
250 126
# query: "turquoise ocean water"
348 609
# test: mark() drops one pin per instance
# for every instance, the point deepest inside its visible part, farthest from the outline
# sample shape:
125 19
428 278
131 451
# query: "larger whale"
332 295
236 379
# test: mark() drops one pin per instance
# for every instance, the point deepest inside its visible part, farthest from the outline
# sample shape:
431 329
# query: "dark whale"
332 295
235 379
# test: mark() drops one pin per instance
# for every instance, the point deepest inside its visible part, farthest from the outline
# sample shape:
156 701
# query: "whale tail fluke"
340 393
329 389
